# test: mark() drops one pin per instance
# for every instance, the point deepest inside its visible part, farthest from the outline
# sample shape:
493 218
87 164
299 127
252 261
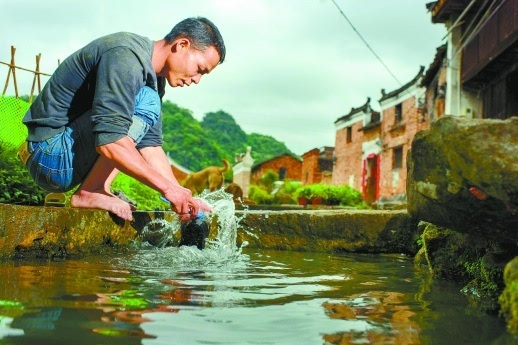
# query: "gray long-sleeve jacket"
104 76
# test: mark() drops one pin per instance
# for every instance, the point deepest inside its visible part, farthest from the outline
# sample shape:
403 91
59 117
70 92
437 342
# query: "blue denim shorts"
62 162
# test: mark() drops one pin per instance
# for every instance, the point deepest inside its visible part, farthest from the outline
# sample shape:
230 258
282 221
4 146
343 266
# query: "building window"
375 116
399 112
397 159
282 174
349 134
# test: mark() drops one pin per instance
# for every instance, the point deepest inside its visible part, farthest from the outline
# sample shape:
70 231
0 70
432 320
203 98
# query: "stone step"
29 231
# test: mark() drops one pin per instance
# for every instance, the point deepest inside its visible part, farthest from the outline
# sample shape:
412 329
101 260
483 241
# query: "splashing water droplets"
220 247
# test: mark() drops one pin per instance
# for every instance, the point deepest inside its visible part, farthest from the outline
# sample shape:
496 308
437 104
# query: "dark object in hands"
195 232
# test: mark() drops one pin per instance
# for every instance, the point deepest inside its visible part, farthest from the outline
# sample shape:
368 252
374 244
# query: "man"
99 114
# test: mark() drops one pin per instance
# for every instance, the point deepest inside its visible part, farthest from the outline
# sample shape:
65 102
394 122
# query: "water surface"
225 295
159 296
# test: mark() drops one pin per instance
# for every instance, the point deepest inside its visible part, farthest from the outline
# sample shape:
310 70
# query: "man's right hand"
184 204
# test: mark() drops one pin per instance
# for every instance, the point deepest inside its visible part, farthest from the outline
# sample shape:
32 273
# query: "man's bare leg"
94 192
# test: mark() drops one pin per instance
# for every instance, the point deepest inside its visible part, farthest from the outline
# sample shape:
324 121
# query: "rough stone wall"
28 231
471 260
348 164
401 134
463 175
330 231
293 168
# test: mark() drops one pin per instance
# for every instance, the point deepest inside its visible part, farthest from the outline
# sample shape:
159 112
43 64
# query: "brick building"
371 146
482 68
357 150
286 165
403 113
317 166
434 81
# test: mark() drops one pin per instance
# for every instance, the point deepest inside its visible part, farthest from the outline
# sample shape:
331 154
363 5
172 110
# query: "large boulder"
463 175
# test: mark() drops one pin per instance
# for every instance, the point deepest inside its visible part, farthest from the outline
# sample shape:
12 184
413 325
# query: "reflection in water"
262 297
225 296
383 309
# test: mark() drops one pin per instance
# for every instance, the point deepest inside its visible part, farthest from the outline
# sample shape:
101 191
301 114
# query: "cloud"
292 67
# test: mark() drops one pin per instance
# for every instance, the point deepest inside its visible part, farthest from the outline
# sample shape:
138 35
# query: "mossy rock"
475 262
462 174
509 297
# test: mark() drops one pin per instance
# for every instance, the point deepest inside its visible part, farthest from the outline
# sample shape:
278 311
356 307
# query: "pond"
185 296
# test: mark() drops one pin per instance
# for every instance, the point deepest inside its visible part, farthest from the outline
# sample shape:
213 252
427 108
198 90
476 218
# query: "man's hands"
151 167
184 204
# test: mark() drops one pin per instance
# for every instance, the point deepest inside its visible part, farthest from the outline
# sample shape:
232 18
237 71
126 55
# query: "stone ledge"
29 231
64 232
330 231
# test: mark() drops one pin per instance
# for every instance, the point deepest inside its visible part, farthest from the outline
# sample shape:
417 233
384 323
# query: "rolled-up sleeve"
153 137
119 78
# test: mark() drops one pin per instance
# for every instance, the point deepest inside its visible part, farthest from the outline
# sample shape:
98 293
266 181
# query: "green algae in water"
10 305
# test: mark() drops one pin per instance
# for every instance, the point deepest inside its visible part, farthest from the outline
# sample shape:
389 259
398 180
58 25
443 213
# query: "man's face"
186 64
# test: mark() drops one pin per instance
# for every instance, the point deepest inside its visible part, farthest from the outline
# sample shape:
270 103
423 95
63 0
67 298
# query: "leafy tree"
197 145
223 129
185 139
265 147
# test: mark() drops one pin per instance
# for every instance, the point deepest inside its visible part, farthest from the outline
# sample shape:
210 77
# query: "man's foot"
101 200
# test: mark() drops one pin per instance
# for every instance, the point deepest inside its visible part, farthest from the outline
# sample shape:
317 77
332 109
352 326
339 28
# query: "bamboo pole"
38 71
11 70
13 51
25 69
7 80
36 77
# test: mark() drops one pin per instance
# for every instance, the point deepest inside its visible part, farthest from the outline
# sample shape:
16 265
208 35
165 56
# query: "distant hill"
197 145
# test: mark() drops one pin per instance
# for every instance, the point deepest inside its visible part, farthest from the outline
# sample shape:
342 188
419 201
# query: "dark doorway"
282 173
371 178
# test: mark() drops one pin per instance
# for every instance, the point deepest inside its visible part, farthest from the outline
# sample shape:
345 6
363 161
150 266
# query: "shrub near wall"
331 195
16 186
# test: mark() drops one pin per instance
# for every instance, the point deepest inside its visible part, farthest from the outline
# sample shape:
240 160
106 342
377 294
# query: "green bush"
291 186
260 195
345 196
303 192
147 199
332 195
319 190
292 190
286 194
16 185
268 179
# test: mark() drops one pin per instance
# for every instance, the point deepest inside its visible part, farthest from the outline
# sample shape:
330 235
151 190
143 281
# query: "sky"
292 67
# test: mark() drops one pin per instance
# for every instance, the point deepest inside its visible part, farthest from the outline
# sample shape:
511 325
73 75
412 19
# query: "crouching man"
100 113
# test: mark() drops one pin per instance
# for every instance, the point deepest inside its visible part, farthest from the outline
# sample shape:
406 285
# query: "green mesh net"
12 131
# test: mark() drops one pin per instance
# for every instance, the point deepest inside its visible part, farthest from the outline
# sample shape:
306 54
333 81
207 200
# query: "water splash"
160 233
221 248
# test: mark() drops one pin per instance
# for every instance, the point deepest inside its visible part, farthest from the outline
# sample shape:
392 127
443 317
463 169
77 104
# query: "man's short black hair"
201 32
